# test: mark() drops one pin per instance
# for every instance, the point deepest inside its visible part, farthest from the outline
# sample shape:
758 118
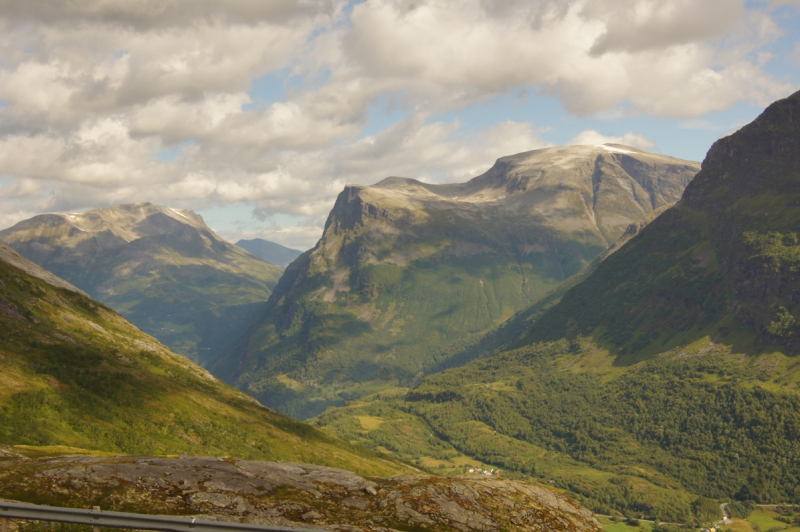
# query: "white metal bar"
97 518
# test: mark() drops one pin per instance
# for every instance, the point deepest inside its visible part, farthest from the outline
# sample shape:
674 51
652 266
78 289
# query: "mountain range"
76 374
270 251
407 272
162 268
83 391
562 317
663 382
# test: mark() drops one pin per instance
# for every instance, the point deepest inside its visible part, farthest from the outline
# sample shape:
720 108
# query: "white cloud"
636 25
94 90
593 137
660 57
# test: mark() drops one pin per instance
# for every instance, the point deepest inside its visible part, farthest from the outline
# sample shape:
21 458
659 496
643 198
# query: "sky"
255 114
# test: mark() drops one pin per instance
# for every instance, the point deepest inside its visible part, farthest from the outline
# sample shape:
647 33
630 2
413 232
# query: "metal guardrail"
98 518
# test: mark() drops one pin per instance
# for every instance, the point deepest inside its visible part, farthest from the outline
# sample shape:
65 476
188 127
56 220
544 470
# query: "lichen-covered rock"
272 493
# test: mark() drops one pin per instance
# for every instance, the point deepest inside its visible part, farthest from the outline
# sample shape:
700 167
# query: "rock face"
164 269
406 271
291 494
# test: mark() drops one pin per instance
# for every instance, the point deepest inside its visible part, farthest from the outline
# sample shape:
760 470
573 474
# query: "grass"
621 526
78 378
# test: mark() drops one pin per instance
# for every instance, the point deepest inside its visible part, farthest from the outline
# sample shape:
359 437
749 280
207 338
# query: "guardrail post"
96 528
4 524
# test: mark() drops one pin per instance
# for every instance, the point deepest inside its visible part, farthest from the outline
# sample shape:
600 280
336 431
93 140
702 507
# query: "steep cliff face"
406 270
162 268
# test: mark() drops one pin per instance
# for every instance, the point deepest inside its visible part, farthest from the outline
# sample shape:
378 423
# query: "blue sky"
256 114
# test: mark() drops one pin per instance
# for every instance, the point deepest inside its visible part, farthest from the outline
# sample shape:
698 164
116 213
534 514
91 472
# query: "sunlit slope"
406 272
164 269
74 373
669 373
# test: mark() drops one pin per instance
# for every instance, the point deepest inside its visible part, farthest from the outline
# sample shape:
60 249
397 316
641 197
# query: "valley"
663 381
400 266
639 360
78 375
162 268
407 274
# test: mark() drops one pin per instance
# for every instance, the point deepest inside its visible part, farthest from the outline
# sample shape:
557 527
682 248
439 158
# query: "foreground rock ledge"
279 494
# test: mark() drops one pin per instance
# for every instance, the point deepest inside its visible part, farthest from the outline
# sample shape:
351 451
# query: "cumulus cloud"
94 92
658 56
636 25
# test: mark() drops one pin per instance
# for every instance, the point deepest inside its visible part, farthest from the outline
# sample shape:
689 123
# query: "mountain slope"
270 251
163 269
74 373
405 269
726 256
669 374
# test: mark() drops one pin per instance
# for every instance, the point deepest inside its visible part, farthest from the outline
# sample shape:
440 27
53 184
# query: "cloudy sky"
256 113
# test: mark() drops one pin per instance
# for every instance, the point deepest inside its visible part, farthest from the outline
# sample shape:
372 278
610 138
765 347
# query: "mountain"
74 373
406 271
164 269
291 496
270 251
664 383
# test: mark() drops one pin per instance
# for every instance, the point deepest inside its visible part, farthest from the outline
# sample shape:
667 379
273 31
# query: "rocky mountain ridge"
293 495
162 268
407 270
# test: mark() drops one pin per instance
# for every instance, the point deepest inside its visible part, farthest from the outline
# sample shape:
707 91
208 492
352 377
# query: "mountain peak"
404 268
162 267
132 220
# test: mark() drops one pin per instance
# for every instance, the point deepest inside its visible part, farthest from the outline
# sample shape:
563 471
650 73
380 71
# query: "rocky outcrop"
287 494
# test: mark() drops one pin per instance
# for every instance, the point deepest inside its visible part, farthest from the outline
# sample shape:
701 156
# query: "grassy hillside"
667 377
161 268
74 373
407 274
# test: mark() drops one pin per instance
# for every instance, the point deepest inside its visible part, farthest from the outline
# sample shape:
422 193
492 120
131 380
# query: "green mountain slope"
406 271
668 376
270 251
74 373
163 269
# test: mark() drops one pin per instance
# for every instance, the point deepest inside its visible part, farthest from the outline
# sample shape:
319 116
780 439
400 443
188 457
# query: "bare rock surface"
289 494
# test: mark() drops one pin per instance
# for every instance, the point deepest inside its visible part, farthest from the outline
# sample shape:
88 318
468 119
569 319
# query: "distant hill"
162 268
663 383
270 251
74 373
407 272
